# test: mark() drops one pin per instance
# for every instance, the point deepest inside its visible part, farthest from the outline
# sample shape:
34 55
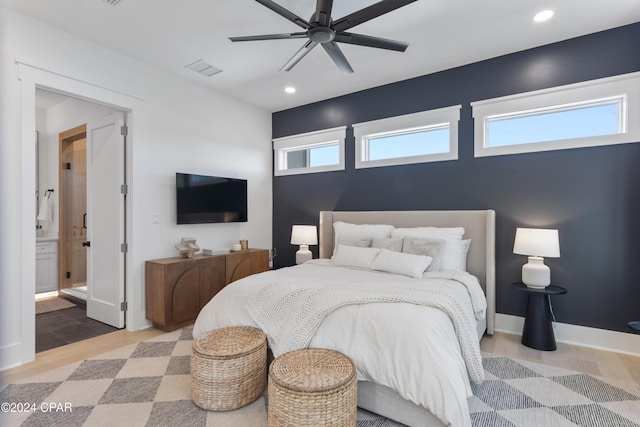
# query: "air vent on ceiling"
112 2
203 68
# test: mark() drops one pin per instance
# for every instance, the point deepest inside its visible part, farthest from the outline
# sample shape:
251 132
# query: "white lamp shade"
304 235
537 242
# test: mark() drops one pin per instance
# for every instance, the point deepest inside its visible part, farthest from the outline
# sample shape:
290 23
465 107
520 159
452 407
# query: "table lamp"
536 243
304 235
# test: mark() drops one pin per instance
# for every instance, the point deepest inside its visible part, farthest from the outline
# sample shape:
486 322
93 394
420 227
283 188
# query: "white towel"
44 213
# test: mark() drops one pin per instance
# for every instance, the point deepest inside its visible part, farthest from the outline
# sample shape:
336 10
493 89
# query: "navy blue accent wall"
592 195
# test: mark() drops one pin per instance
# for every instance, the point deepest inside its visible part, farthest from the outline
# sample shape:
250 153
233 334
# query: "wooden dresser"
177 288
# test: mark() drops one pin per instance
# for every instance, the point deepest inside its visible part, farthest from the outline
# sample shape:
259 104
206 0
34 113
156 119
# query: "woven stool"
312 387
228 368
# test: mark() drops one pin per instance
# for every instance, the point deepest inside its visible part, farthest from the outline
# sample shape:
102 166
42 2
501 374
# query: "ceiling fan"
322 29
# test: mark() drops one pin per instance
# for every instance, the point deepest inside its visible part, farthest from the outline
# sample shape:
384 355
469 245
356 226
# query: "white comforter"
409 348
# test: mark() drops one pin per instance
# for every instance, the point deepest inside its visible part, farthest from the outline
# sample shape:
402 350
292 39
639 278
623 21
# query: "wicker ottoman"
228 368
312 387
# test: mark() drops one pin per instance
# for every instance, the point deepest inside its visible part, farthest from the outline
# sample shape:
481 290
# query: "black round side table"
538 329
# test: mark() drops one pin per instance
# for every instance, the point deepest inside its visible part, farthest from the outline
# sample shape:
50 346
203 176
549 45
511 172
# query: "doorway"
21 347
70 159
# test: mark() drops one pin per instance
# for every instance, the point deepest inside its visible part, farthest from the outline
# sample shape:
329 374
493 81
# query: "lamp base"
303 255
535 274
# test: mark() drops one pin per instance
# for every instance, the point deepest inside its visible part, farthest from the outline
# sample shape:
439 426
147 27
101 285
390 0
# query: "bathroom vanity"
46 264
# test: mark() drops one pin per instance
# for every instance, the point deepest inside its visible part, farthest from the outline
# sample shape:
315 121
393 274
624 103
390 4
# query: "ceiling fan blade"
323 12
338 57
308 46
285 13
368 13
269 37
370 41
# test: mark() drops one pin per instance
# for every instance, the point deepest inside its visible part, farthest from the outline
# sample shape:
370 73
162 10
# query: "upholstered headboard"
479 226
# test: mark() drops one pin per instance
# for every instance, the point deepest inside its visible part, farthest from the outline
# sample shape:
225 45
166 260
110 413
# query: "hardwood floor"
70 353
582 359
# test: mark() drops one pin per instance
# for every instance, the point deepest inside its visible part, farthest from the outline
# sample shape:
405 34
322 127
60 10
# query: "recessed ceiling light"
543 16
290 89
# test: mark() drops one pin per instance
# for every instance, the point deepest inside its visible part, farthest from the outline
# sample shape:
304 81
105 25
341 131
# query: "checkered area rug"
521 393
148 384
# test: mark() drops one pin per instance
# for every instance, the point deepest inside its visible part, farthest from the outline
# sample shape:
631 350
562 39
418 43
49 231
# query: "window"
580 115
318 151
427 136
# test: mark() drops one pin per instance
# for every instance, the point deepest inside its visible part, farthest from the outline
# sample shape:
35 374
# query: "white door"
106 220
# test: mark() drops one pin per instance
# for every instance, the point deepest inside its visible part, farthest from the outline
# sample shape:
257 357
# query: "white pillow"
351 256
430 232
361 242
455 255
346 233
401 263
391 243
425 246
452 256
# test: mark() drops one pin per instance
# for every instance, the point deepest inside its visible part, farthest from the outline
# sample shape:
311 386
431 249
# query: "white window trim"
303 141
431 119
624 87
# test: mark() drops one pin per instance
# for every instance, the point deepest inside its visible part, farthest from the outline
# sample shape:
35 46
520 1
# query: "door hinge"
123 306
124 248
67 166
124 189
124 130
68 275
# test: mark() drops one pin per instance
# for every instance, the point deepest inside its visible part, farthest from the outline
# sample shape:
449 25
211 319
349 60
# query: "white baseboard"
602 339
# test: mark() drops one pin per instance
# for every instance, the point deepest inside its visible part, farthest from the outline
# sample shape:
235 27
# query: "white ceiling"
442 34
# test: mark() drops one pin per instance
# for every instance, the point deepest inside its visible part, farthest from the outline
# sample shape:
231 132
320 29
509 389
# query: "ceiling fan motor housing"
321 34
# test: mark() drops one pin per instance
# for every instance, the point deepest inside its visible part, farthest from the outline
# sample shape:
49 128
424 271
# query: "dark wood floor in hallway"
62 327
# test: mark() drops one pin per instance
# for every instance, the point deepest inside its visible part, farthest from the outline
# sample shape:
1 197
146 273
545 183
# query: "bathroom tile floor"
62 327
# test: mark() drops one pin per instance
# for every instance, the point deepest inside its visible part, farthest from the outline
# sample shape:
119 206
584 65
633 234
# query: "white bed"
410 371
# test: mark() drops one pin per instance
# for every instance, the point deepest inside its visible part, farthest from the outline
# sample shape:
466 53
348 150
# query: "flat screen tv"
204 199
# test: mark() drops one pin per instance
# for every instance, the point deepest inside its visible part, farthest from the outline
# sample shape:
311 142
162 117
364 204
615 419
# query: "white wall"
174 126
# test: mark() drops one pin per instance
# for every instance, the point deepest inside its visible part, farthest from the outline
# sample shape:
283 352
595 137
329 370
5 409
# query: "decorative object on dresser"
177 288
304 235
537 243
187 247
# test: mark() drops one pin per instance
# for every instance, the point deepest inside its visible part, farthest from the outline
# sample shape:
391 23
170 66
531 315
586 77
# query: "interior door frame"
22 349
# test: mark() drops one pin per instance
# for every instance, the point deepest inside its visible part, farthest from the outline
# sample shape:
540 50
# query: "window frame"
624 88
446 117
308 140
